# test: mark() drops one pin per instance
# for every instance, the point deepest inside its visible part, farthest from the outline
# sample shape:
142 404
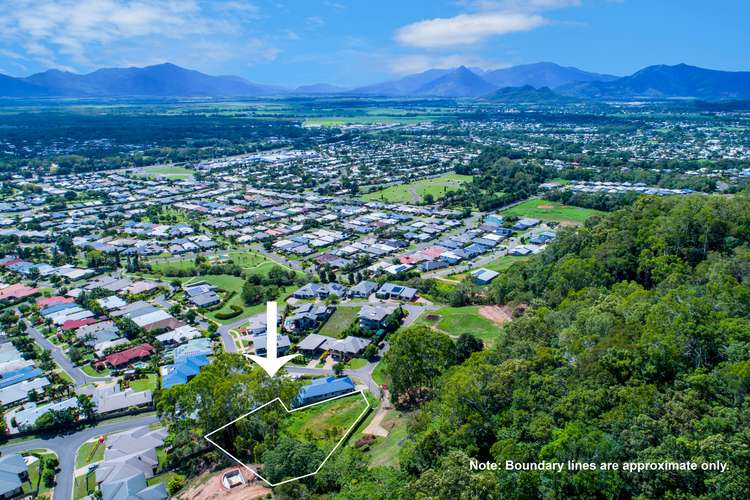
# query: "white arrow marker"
271 363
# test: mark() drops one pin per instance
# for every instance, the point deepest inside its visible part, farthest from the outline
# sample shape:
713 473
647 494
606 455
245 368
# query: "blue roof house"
182 371
21 375
323 388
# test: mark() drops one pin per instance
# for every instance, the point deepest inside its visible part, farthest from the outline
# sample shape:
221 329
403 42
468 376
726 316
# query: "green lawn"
547 210
457 320
379 375
339 321
504 262
35 485
324 424
414 192
247 259
384 451
90 371
84 485
148 383
82 457
230 283
500 264
168 171
356 363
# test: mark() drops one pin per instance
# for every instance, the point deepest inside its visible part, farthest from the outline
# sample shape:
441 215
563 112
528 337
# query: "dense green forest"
635 348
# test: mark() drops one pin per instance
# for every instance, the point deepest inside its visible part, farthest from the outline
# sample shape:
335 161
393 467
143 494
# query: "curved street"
66 446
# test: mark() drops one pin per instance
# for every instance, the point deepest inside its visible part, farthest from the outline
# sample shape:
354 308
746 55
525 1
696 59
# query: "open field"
247 259
324 424
168 171
457 320
547 210
339 321
415 191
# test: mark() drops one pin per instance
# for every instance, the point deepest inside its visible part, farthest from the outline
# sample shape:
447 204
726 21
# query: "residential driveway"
66 446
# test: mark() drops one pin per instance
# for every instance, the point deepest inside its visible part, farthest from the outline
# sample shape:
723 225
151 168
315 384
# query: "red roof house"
75 324
57 299
17 291
124 358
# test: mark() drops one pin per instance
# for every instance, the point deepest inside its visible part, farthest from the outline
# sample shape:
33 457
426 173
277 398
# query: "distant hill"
461 82
544 74
160 80
403 86
15 87
529 95
668 82
168 80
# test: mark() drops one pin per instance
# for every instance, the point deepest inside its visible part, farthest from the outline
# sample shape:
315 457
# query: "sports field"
414 192
168 171
546 210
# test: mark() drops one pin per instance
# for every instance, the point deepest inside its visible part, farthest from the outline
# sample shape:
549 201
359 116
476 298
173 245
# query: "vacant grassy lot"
504 262
547 210
384 451
339 321
324 424
414 192
457 320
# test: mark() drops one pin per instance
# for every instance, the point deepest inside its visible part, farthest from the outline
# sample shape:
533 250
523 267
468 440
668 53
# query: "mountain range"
553 81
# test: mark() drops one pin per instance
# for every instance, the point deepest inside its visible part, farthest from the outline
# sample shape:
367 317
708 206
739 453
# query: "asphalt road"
66 446
57 354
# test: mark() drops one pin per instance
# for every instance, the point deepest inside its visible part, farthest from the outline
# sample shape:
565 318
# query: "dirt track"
497 314
211 488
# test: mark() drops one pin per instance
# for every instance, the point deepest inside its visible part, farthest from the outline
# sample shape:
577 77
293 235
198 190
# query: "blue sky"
363 41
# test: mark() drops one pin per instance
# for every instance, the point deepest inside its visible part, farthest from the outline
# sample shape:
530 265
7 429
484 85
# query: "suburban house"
13 473
320 291
129 460
398 292
202 294
179 335
347 348
525 223
282 344
313 344
25 419
124 358
182 371
19 392
322 389
307 316
483 276
363 289
110 397
373 317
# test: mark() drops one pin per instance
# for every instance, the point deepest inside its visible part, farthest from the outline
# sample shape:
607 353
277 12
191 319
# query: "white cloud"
91 33
417 63
517 5
465 29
